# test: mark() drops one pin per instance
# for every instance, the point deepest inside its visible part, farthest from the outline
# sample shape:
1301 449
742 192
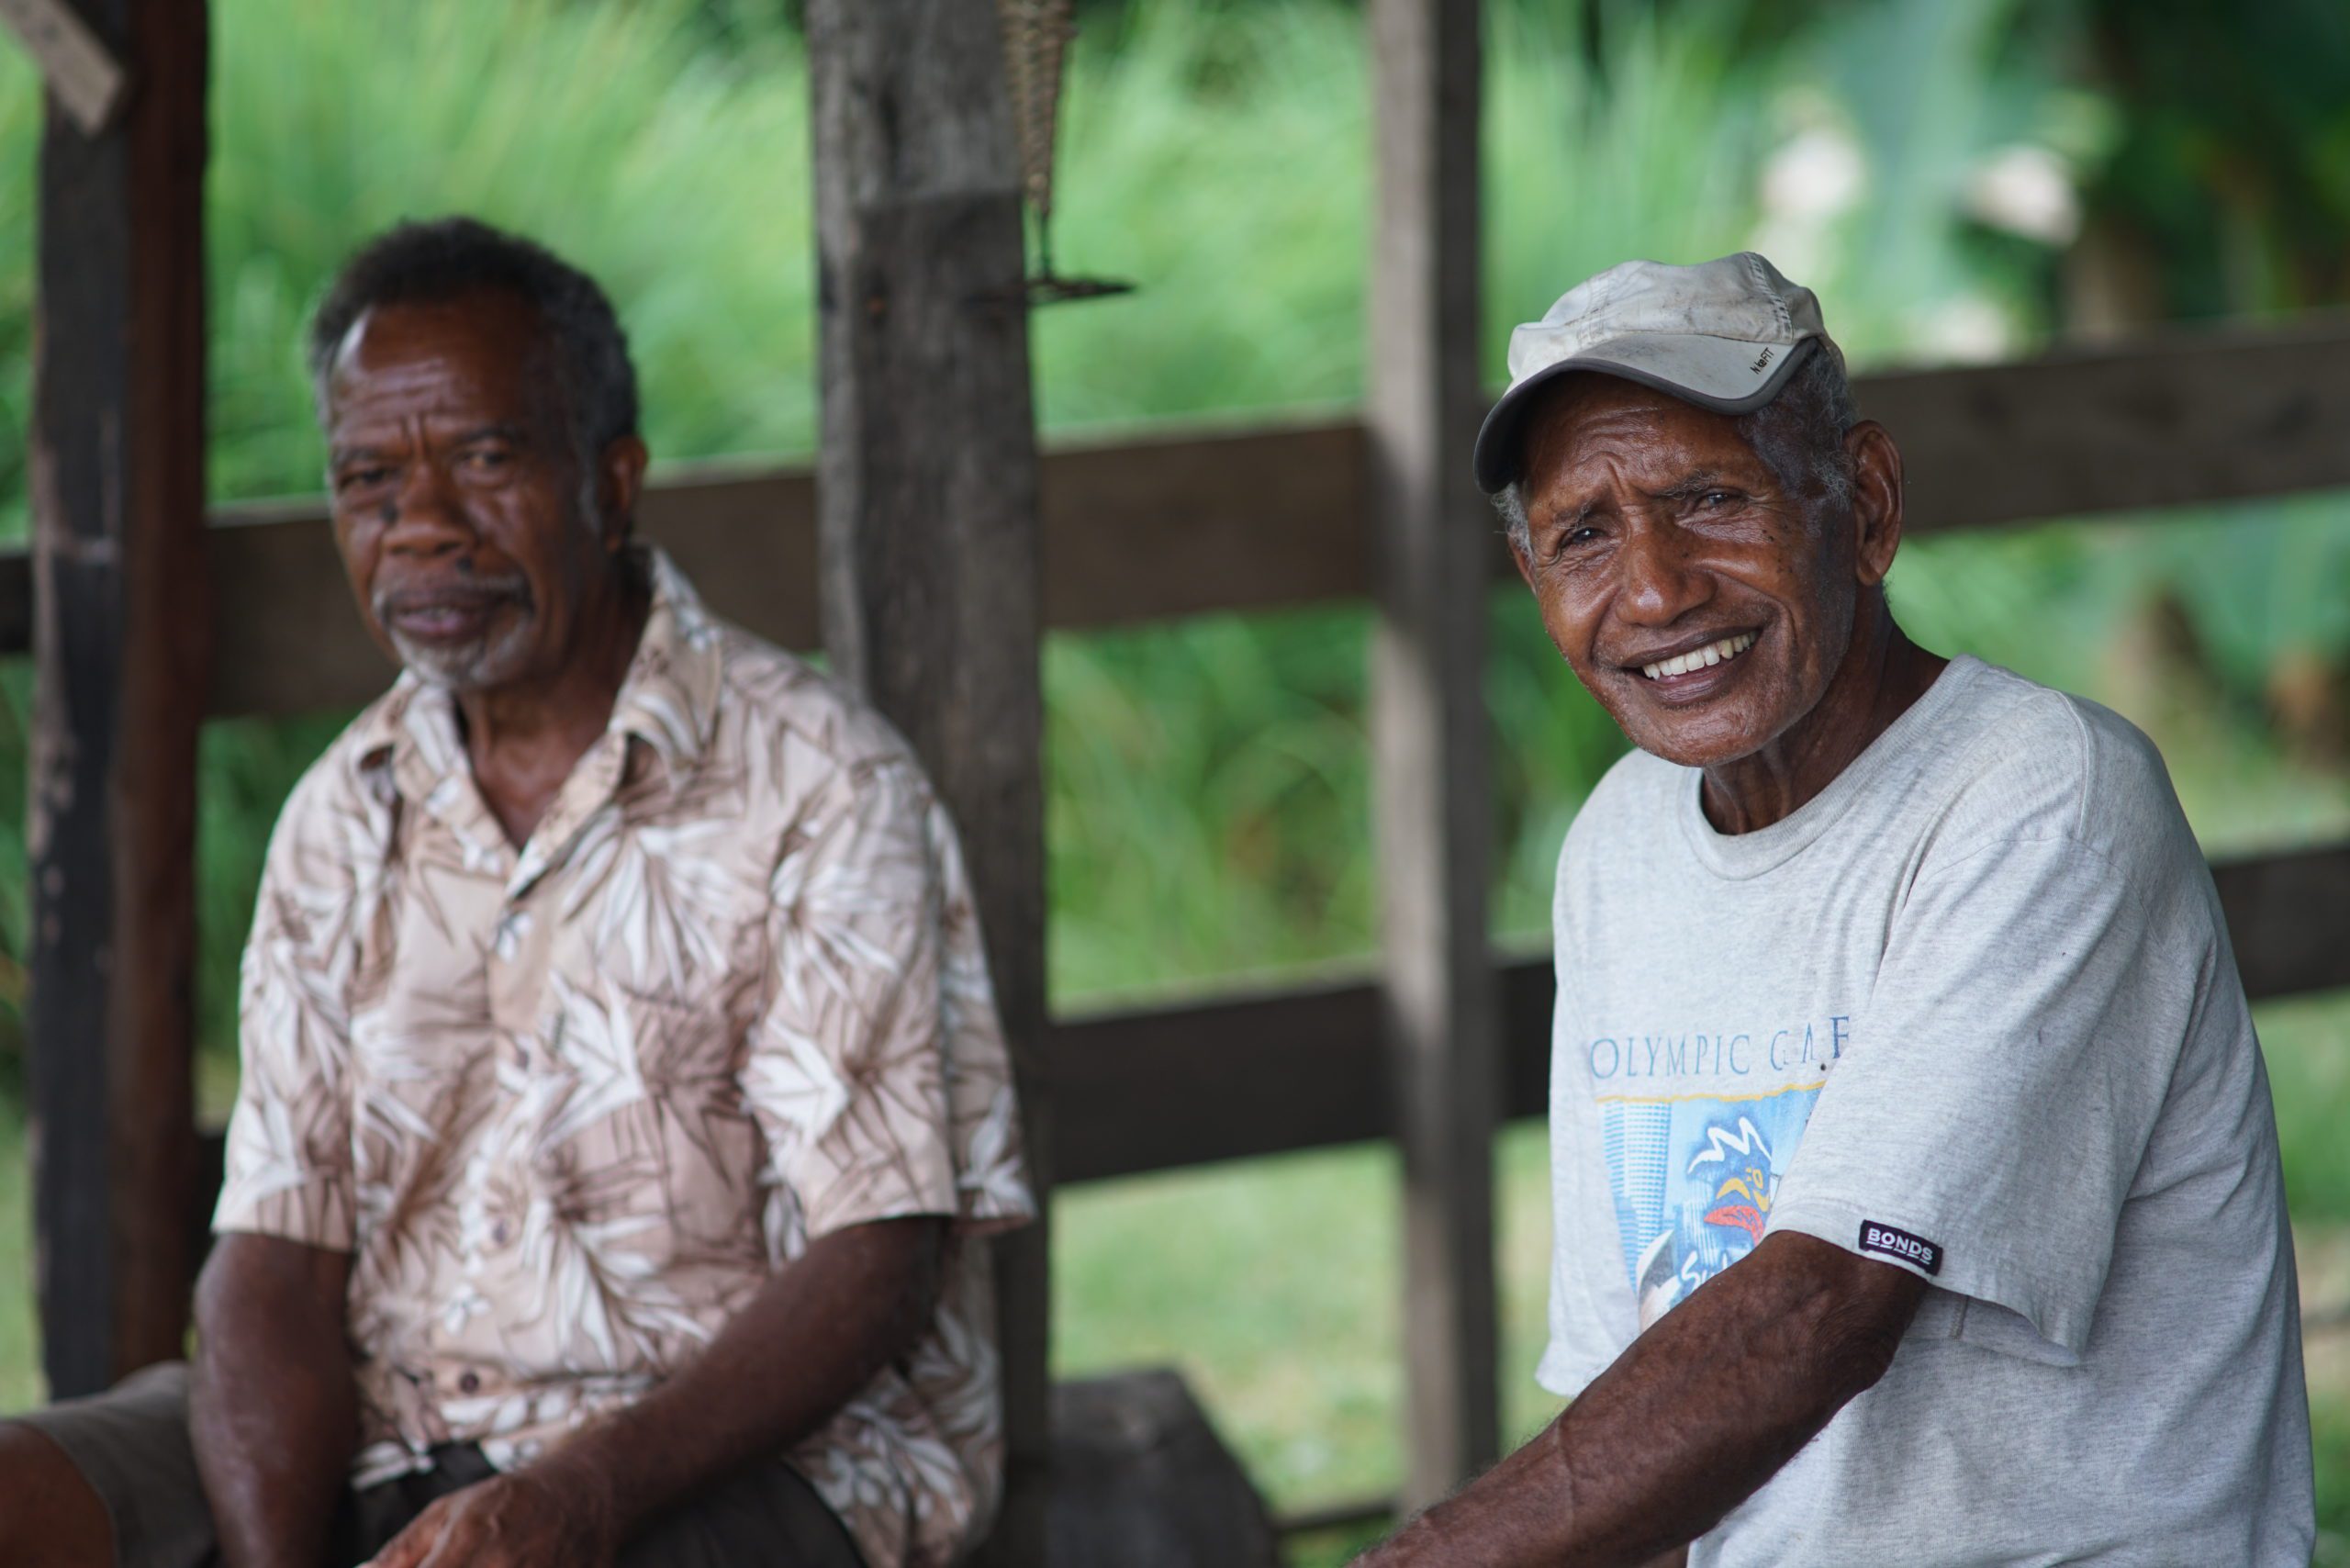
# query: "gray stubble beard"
469 668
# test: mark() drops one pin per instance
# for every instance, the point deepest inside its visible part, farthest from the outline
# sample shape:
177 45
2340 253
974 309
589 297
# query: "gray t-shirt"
1972 1011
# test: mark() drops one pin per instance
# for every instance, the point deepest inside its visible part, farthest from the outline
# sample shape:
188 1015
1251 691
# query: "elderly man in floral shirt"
622 1092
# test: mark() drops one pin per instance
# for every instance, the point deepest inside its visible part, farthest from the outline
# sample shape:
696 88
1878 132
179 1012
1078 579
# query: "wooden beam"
119 630
1196 521
927 527
1188 522
2179 418
1150 1089
1141 530
2287 915
1145 1089
1432 542
1142 1090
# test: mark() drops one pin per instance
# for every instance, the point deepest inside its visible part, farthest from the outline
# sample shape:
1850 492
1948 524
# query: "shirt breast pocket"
641 1100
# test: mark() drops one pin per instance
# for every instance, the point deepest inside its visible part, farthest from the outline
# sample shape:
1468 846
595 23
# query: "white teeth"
1700 658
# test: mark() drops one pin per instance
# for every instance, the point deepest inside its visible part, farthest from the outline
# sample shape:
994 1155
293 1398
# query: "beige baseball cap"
1723 334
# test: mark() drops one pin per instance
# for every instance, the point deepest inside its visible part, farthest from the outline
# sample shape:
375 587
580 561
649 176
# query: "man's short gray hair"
451 257
1799 435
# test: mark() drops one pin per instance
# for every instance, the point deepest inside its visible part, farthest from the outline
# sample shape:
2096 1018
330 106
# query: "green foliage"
20 1378
2233 166
676 176
19 128
2330 1431
2308 1046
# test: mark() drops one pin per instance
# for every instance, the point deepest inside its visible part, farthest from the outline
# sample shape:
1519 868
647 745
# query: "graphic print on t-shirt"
1694 1176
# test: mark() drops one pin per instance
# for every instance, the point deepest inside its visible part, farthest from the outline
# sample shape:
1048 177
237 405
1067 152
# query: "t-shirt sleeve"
878 1074
287 1166
1986 1125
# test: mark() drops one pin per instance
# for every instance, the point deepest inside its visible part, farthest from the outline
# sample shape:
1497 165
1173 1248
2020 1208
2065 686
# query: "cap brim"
1713 373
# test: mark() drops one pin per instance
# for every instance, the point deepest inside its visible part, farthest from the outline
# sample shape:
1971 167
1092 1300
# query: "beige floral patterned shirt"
569 1106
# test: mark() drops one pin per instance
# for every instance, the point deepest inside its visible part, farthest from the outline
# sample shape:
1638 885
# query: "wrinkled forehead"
1590 428
483 356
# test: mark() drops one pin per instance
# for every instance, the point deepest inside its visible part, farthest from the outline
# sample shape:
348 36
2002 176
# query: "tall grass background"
1206 785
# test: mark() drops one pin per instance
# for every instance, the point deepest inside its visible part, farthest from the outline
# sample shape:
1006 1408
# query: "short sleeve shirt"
1971 1013
568 1106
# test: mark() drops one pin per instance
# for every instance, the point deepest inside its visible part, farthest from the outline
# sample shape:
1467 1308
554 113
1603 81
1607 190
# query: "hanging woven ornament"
1036 35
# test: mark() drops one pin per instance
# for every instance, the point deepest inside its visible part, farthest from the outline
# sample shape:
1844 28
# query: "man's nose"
1658 585
426 519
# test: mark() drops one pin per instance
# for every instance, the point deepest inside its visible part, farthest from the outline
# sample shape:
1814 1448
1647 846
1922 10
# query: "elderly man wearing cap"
1916 1188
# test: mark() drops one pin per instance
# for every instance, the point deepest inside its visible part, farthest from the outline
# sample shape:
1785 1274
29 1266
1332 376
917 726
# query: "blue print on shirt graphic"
1695 1176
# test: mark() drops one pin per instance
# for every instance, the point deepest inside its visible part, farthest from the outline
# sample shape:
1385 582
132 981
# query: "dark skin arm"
813 1336
1703 1409
272 1407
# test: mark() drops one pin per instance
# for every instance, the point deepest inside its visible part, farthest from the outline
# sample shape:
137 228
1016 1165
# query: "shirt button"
469 1383
498 1233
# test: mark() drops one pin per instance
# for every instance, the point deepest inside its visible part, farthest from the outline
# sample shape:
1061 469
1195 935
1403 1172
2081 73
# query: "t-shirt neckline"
1743 854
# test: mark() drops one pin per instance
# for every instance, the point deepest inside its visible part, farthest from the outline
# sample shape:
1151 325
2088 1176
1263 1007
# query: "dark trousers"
132 1444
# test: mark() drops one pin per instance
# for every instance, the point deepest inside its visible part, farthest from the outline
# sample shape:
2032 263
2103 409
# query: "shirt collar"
668 699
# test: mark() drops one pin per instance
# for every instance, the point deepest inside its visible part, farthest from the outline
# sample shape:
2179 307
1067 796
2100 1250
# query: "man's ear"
1876 500
620 480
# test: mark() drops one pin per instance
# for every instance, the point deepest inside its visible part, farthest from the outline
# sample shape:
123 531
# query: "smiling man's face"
1704 606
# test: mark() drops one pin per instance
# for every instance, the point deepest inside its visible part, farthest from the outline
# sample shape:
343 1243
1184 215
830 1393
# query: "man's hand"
540 1517
1701 1411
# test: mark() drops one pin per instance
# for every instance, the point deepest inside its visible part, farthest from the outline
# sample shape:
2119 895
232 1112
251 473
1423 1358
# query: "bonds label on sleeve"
1891 1243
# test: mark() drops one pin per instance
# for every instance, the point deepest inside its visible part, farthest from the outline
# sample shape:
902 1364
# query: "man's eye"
488 460
1568 539
362 479
1718 498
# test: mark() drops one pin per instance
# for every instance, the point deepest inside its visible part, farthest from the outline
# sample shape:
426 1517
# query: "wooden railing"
1187 523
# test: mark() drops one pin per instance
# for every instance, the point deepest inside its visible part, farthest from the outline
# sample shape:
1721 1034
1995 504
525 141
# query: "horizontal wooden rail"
1239 1076
1189 523
1275 1071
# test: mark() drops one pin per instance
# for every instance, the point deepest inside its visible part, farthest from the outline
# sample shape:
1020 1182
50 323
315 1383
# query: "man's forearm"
1689 1422
813 1336
272 1409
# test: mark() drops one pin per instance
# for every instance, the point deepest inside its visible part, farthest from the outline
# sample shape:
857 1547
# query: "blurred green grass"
1206 791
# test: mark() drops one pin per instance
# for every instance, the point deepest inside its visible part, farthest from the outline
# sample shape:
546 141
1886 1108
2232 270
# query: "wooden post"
927 520
120 640
1433 543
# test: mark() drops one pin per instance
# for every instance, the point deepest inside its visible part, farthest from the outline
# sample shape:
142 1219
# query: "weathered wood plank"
119 630
1185 522
1147 1089
1138 1090
927 525
2289 919
290 641
1192 522
2176 418
1152 1088
1139 530
1430 781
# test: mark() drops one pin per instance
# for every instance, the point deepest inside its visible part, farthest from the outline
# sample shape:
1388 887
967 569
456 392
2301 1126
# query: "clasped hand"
540 1517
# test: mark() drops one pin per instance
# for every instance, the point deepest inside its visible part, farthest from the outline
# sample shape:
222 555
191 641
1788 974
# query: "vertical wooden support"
121 634
1427 718
926 519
